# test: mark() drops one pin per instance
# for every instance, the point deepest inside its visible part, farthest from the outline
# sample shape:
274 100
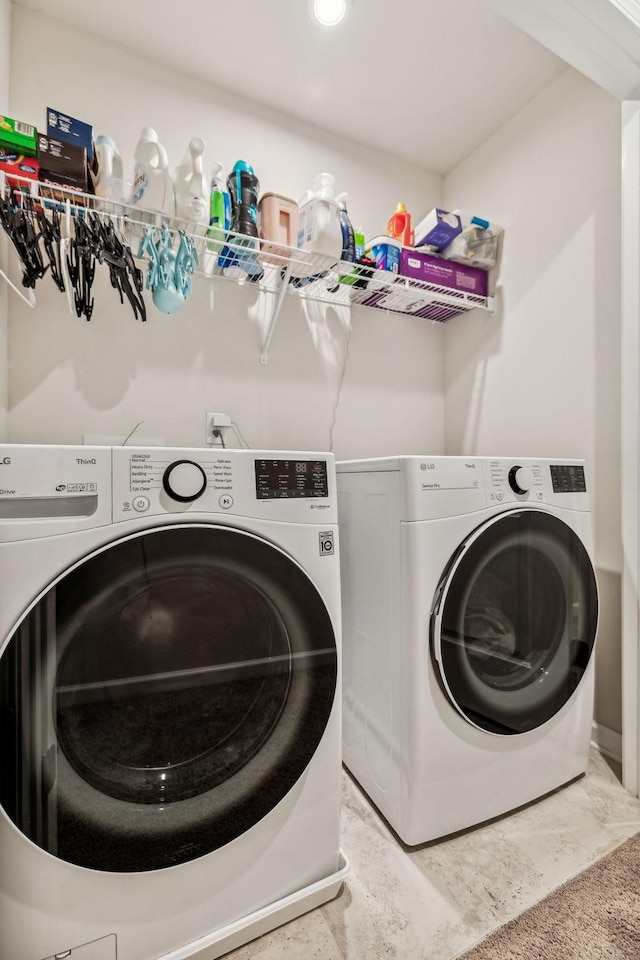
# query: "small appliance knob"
184 481
520 479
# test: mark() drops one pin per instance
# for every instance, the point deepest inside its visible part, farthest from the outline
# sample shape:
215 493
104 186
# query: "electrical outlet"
215 427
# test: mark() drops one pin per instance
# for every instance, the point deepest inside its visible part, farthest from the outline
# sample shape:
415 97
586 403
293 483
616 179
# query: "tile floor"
435 901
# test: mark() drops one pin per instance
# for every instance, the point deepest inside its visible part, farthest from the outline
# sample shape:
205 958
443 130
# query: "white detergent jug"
192 189
319 229
152 184
110 183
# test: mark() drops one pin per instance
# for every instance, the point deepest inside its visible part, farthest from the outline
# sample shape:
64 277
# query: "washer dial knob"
520 479
184 481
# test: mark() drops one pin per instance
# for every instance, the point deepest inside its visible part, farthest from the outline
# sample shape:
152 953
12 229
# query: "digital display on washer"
291 479
568 479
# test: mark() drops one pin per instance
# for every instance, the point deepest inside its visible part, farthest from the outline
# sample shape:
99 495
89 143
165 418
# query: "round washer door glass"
162 696
514 622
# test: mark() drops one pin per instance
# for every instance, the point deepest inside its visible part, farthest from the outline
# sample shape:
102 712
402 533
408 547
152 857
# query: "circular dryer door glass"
515 623
163 695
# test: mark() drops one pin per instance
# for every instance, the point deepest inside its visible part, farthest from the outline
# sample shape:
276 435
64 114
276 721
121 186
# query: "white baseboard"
607 741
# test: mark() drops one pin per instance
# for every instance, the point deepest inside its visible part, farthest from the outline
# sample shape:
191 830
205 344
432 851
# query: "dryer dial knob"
520 479
184 481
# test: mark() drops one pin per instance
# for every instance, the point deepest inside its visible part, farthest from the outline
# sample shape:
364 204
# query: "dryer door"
162 696
514 621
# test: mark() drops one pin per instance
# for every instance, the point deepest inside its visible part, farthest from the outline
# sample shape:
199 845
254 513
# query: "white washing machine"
469 619
169 698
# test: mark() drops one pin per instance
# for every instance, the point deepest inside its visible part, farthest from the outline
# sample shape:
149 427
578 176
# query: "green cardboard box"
18 136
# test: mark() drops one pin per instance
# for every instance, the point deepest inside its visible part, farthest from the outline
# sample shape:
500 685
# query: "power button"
140 504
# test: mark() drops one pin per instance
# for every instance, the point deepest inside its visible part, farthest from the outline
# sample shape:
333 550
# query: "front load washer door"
514 622
162 696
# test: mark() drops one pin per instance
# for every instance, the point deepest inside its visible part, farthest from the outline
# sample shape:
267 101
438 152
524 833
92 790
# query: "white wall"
69 377
5 47
542 377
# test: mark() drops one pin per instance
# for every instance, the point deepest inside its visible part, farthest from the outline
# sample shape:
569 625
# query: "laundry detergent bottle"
319 227
110 183
152 184
348 235
192 189
399 225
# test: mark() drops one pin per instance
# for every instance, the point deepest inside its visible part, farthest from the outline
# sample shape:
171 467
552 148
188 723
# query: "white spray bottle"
192 189
152 185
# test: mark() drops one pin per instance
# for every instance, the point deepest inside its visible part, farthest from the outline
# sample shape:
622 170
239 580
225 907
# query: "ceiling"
426 80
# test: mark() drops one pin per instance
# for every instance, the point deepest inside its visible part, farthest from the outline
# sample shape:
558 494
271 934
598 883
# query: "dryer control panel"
431 488
451 486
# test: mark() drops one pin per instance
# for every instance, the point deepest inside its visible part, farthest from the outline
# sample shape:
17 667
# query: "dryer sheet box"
63 164
444 273
63 127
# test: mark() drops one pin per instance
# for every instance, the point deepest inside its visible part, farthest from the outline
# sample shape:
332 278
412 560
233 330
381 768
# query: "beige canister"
278 225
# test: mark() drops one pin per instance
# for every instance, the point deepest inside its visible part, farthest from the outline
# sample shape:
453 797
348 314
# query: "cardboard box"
62 163
61 126
17 167
443 273
437 229
17 136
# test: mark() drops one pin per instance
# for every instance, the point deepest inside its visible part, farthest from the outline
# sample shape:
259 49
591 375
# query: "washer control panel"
291 479
152 481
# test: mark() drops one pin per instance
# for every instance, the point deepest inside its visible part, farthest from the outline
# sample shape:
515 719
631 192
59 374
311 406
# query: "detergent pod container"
192 188
239 257
109 181
152 184
319 227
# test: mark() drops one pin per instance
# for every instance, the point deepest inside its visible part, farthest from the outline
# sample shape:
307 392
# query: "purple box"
444 273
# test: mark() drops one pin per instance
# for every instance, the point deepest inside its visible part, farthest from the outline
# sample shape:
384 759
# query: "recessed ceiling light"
329 12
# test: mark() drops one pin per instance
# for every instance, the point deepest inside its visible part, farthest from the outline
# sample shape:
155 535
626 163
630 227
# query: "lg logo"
5 461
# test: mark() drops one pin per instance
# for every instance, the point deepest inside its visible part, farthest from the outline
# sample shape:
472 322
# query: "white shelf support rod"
264 356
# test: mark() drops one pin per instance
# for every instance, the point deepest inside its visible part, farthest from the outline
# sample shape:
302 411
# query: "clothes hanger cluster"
73 241
25 240
95 240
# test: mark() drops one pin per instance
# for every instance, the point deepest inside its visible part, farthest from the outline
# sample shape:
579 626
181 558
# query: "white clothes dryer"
469 619
169 698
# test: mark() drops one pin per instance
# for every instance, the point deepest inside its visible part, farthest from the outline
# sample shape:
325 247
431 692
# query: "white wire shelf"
272 267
